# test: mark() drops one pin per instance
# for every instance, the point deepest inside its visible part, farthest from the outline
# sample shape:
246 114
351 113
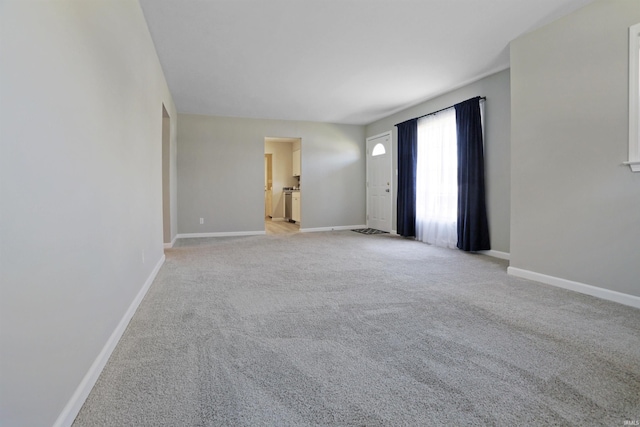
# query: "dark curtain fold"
407 164
473 228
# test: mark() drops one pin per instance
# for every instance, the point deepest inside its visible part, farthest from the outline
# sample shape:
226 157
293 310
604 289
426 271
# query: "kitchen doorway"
268 186
283 167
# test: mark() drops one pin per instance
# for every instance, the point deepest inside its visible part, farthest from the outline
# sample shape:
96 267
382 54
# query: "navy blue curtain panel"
407 165
473 228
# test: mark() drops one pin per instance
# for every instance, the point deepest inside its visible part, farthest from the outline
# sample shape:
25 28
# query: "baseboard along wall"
619 297
334 228
70 411
173 242
221 234
496 254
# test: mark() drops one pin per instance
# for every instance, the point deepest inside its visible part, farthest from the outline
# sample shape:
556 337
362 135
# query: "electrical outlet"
201 220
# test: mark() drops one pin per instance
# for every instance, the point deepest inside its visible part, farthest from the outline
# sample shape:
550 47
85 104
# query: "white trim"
635 166
221 234
334 228
394 232
619 297
634 98
73 406
496 254
173 242
380 135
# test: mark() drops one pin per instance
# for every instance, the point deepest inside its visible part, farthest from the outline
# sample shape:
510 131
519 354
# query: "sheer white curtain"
437 180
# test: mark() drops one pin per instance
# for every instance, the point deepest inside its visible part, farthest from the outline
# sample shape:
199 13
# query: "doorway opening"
282 189
167 238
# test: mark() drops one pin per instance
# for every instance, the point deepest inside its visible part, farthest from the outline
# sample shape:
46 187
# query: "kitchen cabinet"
295 206
296 162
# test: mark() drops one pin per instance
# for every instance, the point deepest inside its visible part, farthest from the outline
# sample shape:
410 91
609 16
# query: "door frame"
367 153
167 237
268 185
290 181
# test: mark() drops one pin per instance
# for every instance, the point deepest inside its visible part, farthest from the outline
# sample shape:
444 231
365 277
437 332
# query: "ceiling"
338 61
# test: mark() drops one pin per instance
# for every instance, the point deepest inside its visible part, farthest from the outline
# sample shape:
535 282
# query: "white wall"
282 172
575 209
80 191
221 173
497 145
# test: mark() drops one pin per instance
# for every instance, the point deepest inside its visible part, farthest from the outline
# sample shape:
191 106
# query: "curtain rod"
482 98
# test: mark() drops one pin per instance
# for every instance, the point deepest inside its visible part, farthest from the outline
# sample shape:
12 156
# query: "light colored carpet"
341 328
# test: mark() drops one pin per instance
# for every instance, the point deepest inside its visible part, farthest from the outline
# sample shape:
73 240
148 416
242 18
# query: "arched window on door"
378 150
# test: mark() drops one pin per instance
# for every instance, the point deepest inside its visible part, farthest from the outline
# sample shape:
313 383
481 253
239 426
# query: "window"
634 98
437 180
378 150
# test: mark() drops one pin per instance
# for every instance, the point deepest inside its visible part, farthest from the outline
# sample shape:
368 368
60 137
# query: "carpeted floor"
341 328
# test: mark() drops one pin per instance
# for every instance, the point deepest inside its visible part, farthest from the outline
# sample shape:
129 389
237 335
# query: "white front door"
379 182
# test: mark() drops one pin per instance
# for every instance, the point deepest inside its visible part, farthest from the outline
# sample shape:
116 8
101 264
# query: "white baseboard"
619 297
70 411
334 228
496 254
394 232
173 242
221 234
